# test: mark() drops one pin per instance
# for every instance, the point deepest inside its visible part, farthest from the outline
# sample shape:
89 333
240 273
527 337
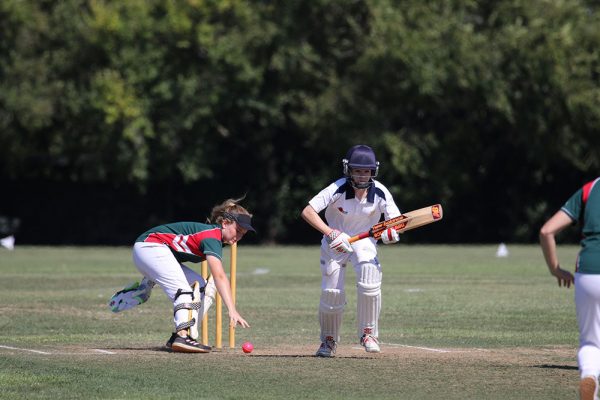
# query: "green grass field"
457 323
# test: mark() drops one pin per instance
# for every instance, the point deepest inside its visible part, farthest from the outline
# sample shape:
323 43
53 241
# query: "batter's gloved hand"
390 235
338 241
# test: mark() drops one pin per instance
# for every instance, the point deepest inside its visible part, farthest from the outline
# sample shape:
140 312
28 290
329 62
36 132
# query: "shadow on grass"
305 356
230 352
552 366
154 348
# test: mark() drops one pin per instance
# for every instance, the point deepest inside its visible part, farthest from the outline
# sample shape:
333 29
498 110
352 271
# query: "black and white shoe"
169 343
188 345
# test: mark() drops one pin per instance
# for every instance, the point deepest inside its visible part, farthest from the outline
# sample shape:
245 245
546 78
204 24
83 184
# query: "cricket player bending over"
159 253
352 205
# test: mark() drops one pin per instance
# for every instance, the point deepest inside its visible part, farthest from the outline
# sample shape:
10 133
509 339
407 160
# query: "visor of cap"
245 221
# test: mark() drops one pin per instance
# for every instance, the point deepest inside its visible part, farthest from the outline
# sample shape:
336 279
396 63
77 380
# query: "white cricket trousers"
156 262
368 288
587 304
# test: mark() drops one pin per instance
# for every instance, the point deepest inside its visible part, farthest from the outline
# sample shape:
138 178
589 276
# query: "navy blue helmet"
360 157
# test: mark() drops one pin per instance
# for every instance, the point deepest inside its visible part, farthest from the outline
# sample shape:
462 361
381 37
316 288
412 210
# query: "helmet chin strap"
365 185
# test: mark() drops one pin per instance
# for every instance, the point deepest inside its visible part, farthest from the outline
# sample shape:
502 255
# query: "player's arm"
390 235
224 288
548 232
314 219
338 241
390 210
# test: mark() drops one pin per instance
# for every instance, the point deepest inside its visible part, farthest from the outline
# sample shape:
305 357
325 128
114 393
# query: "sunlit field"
457 322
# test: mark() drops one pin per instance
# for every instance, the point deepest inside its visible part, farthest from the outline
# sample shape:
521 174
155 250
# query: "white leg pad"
186 307
193 314
182 314
208 299
368 300
331 309
210 292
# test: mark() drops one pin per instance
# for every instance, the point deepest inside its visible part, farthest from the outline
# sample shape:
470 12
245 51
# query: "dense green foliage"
490 107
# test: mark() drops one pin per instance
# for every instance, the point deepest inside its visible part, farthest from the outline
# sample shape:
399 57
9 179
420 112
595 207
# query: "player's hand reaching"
390 235
236 319
338 241
565 278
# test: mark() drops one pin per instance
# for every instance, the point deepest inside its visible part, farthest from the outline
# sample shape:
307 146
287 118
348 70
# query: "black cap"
243 220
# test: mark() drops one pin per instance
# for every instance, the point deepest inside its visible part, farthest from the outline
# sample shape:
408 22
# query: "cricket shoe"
327 348
370 343
169 343
188 345
588 388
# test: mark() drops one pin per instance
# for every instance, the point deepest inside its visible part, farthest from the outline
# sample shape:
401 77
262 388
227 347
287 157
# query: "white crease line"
417 347
16 348
104 351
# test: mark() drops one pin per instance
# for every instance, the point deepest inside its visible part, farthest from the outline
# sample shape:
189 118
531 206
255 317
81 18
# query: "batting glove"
390 235
338 241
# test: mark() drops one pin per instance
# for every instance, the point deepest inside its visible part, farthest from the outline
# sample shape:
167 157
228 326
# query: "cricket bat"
405 222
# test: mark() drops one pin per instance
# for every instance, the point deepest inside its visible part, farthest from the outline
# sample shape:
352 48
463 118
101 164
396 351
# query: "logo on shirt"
342 210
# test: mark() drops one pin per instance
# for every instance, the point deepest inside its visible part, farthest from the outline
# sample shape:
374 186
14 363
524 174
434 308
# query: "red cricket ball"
247 347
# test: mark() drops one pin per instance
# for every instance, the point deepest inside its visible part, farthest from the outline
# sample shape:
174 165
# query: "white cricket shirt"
347 214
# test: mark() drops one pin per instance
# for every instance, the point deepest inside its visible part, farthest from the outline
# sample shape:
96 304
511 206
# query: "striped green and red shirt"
584 207
189 241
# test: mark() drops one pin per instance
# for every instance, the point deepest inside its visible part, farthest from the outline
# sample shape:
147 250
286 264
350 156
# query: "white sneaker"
327 348
588 388
370 343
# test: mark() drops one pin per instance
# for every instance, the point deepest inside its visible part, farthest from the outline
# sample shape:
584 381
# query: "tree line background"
119 115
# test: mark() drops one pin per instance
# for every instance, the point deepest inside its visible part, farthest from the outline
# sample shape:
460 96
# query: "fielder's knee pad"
187 304
331 308
368 299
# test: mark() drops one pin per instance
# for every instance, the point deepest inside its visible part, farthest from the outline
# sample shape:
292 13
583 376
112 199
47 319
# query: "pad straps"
192 307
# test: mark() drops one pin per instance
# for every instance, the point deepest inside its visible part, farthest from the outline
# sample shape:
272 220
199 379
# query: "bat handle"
360 236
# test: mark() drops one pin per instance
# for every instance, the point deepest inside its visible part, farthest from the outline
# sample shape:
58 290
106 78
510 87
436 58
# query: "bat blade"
420 217
405 222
